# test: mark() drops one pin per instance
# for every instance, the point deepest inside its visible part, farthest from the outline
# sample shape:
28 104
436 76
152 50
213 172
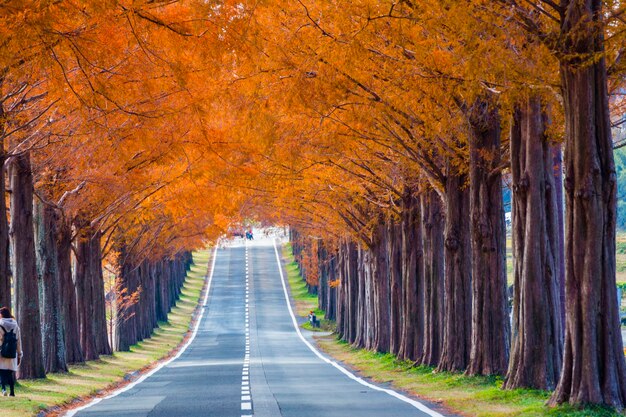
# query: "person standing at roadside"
10 350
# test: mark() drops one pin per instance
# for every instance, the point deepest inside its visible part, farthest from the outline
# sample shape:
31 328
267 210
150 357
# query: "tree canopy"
159 125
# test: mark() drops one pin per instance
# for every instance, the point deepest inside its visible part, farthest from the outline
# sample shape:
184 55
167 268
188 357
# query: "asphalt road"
248 360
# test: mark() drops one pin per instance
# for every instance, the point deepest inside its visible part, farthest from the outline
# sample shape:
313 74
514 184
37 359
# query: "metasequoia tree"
433 235
592 340
535 355
395 126
25 271
490 321
53 318
576 32
61 97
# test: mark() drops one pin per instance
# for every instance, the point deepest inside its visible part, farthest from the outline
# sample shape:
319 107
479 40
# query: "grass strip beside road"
92 377
468 396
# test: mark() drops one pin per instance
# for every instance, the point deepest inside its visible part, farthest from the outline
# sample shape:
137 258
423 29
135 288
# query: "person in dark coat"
8 366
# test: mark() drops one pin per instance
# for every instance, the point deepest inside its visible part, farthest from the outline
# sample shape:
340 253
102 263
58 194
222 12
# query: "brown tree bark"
364 310
126 315
349 290
490 320
162 287
557 161
99 319
147 299
394 254
369 308
73 351
412 334
433 226
380 284
342 294
52 312
5 267
537 345
90 293
594 371
5 264
84 295
25 271
154 297
331 295
458 274
323 288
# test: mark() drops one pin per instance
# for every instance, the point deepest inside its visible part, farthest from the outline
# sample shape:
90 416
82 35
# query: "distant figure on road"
10 350
249 235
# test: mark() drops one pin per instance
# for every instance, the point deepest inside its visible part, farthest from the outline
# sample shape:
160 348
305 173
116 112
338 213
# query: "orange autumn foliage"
170 121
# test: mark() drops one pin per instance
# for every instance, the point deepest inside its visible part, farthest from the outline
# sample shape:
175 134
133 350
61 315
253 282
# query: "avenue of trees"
101 171
414 116
383 132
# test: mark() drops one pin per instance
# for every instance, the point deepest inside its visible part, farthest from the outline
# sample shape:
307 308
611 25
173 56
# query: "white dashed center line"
246 398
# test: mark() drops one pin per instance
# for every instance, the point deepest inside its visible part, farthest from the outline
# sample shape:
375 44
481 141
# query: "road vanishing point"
248 358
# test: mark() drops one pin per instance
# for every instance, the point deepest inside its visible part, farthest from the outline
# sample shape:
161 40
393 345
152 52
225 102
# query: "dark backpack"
9 344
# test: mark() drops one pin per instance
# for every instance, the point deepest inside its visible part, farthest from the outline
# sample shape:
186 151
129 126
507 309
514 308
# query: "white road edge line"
71 413
349 374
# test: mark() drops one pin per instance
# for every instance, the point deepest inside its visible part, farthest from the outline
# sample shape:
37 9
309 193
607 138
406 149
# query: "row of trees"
399 124
382 130
103 169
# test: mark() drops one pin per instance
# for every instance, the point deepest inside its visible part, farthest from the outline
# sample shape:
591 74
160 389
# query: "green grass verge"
472 396
304 300
93 376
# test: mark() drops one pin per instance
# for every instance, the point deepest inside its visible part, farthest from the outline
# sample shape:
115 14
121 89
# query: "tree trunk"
162 296
394 251
155 295
84 296
458 275
412 335
90 294
342 294
369 307
147 299
557 161
331 296
5 264
349 289
5 267
25 271
433 225
593 364
126 314
52 313
490 320
323 278
380 283
73 351
361 310
100 322
537 346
